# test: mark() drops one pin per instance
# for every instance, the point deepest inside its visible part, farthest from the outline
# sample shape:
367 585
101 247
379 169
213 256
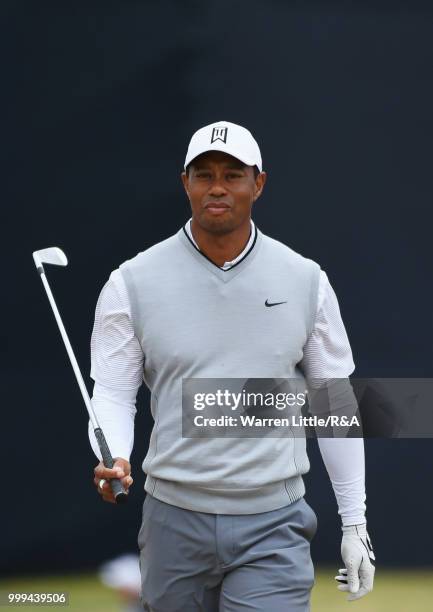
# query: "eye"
203 174
234 175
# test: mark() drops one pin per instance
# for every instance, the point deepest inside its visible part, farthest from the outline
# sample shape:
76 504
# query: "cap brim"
223 149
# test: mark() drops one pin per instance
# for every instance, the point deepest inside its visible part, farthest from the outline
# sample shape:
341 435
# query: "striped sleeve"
327 353
116 355
116 367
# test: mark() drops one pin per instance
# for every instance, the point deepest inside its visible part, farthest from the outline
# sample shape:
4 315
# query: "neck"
220 248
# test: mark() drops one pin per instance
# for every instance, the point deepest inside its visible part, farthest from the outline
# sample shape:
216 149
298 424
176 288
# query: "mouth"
217 208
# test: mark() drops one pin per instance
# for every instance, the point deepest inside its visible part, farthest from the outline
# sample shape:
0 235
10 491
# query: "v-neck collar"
227 264
224 275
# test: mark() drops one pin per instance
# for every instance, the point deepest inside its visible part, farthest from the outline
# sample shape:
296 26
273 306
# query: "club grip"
120 495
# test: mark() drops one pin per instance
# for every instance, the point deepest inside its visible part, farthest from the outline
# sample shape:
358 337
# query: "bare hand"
121 470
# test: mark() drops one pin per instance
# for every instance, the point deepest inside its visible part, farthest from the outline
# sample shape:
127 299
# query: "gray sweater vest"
195 320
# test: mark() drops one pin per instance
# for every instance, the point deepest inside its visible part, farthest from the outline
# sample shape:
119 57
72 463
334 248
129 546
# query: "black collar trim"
216 265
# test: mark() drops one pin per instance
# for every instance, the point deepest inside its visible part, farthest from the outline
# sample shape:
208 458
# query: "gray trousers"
196 561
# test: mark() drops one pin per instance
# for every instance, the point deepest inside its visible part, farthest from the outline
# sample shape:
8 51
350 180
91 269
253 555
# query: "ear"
260 183
185 182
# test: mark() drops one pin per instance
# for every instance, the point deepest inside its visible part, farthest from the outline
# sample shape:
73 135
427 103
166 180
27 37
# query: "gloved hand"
358 557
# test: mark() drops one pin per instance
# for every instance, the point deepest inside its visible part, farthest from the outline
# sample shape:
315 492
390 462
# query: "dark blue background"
99 102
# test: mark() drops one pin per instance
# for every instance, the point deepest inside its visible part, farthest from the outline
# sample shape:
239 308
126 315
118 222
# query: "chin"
217 225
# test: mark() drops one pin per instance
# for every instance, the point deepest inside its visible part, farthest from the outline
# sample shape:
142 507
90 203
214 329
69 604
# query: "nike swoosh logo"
274 303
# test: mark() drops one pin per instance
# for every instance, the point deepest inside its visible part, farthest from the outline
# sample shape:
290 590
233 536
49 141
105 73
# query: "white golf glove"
358 557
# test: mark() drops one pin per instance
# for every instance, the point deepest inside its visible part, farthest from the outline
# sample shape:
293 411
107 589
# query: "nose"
217 189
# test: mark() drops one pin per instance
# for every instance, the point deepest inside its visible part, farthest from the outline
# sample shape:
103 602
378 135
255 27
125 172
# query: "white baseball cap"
228 138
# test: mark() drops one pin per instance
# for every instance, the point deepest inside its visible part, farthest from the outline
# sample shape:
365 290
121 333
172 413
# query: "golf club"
56 257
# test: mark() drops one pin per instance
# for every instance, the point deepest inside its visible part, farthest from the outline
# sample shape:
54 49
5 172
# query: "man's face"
221 190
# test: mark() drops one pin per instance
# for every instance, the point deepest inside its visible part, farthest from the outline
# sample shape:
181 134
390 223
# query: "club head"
52 255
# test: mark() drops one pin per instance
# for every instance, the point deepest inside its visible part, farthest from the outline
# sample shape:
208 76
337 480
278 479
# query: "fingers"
362 591
106 492
366 580
103 472
127 482
366 577
356 552
342 580
121 470
342 575
352 558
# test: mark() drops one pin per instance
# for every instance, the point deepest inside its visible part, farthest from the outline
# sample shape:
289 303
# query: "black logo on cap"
219 133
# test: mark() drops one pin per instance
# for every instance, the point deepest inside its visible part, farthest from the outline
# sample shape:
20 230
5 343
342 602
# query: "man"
225 524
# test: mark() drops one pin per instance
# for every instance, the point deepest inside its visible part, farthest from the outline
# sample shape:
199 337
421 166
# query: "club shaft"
70 352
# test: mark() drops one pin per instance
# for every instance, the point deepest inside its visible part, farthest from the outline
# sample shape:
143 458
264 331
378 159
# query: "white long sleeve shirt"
117 369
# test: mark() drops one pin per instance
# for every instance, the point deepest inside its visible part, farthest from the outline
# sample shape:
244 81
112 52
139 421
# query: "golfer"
225 525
